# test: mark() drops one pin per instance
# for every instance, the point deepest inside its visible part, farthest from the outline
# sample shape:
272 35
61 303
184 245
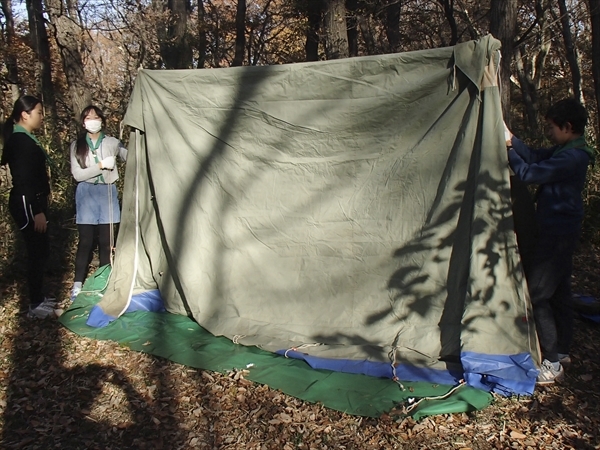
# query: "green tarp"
182 340
358 208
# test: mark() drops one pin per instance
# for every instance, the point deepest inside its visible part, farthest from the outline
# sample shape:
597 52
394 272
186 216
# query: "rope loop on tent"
295 349
413 404
236 339
392 356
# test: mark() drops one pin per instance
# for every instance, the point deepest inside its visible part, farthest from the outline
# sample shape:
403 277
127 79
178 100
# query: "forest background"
73 53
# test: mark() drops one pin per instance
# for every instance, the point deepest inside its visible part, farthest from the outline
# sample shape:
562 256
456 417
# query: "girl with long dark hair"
93 160
28 200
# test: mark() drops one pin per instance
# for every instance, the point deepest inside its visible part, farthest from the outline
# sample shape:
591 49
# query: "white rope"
111 220
237 337
392 356
414 403
294 349
137 221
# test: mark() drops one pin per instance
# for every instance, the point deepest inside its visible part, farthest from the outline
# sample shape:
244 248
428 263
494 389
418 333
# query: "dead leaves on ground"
60 390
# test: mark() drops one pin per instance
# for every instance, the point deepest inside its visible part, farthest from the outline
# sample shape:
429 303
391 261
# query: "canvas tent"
355 213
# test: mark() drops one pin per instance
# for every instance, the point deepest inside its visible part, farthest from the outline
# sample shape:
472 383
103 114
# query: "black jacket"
27 162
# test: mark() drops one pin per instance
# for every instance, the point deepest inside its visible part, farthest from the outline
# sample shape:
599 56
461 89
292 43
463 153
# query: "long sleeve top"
560 173
91 173
27 163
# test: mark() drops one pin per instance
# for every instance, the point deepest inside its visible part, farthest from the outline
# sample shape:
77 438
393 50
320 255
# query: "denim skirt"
96 204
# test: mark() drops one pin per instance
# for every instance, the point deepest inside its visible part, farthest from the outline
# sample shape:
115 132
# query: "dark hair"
25 103
570 111
82 146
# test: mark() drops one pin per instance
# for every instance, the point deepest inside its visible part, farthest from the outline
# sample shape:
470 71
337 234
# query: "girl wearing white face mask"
93 164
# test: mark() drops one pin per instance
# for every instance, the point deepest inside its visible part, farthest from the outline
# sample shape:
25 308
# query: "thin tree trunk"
594 6
335 29
448 6
12 76
202 38
69 35
41 48
352 21
175 49
392 24
365 30
528 91
311 47
542 6
503 26
570 49
530 74
240 33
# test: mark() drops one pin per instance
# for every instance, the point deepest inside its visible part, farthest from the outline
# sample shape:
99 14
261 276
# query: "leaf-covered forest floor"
60 390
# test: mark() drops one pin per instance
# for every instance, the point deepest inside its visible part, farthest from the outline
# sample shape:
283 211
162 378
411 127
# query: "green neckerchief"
93 147
20 129
580 144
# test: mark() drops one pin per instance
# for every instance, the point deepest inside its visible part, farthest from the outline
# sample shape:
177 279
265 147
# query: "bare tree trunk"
12 76
352 21
570 49
365 30
503 26
311 47
202 38
448 6
466 18
530 98
41 48
392 24
594 6
175 49
69 35
335 29
240 33
530 71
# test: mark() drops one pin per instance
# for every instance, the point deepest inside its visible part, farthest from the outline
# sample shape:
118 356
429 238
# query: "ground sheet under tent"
180 339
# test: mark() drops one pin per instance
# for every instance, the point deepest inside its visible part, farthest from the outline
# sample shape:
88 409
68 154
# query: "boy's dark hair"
570 111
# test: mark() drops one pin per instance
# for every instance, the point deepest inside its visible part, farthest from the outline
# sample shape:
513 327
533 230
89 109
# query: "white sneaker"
548 374
44 310
76 290
74 293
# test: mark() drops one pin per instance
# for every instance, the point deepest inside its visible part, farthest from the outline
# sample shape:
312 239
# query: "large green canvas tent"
354 213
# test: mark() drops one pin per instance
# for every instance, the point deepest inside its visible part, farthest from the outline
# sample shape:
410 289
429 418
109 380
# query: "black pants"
549 281
37 245
89 235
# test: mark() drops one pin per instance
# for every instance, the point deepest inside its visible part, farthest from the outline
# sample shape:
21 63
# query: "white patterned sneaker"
548 374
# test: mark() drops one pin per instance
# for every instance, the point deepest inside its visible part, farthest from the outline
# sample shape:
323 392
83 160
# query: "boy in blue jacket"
560 173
